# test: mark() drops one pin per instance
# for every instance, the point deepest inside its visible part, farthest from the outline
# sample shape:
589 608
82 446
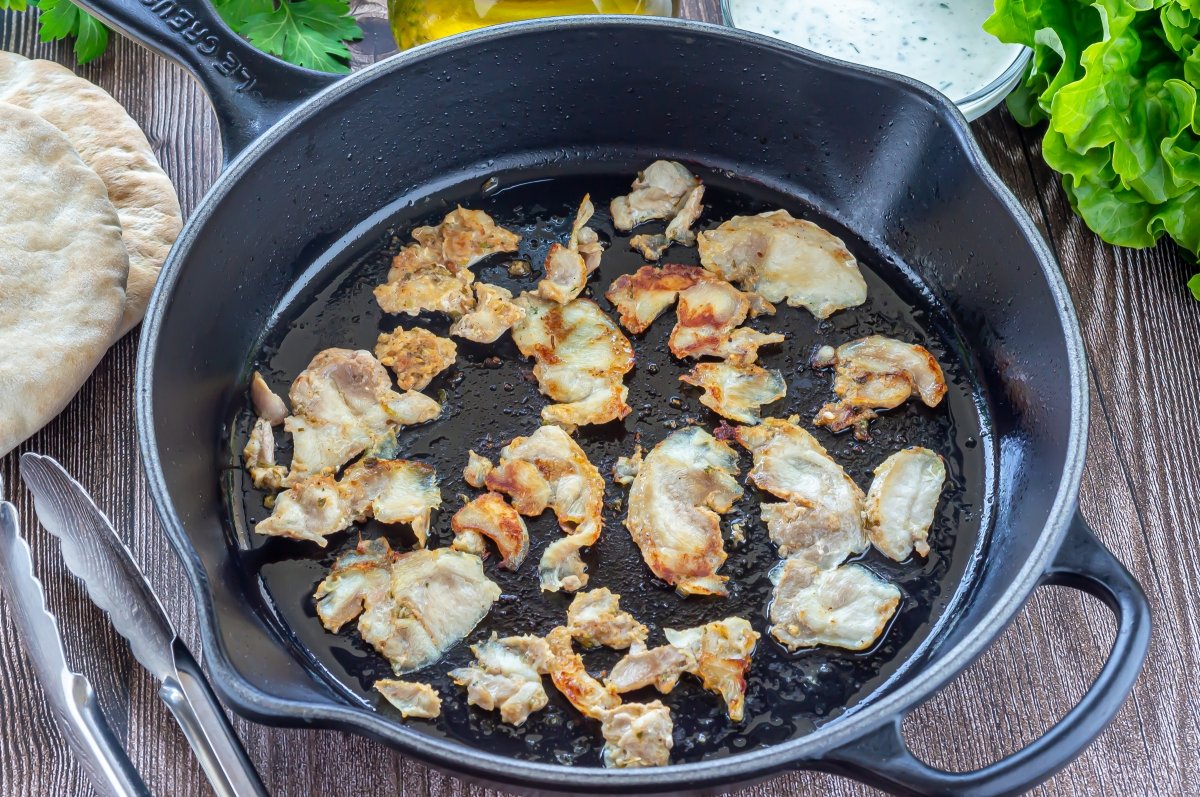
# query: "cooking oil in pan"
490 397
418 21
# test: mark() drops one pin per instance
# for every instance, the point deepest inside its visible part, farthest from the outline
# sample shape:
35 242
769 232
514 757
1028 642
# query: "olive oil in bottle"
417 21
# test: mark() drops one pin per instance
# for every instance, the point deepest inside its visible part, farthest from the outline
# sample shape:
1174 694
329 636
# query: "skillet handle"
882 759
249 89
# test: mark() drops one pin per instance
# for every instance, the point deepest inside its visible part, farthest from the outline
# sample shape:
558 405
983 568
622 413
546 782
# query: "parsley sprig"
309 33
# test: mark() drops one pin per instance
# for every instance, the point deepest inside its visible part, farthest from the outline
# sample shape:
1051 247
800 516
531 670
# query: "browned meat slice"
710 314
477 469
902 501
343 404
416 356
494 314
736 391
783 258
563 479
390 490
410 698
659 192
821 519
637 735
433 273
572 679
685 483
567 267
877 373
414 606
358 578
721 652
523 482
490 516
596 618
646 294
652 246
659 667
846 607
581 359
507 676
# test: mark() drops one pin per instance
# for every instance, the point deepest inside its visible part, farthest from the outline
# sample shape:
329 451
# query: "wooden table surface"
1140 490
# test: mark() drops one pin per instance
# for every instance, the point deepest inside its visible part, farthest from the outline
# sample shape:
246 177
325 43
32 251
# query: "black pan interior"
490 397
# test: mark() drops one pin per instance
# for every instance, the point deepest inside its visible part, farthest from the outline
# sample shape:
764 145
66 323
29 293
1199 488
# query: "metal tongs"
95 554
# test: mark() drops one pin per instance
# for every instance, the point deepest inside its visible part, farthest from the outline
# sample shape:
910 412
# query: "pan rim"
461 759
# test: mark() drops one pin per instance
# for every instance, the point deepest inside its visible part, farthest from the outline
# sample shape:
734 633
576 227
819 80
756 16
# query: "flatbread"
63 267
116 149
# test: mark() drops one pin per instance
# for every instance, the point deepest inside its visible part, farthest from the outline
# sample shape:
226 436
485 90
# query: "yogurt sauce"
938 42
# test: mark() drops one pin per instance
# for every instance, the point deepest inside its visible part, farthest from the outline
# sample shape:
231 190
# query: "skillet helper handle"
192 702
882 759
249 89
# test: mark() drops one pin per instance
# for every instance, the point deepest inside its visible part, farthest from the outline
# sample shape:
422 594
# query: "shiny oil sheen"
490 396
418 21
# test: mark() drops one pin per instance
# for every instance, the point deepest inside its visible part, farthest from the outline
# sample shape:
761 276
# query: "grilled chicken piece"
360 578
659 192
721 652
902 500
342 405
434 272
493 315
710 311
595 619
507 676
411 607
393 491
710 314
410 698
846 607
646 294
267 404
783 258
686 482
259 456
563 479
567 267
573 680
523 482
416 356
637 735
626 468
877 373
736 391
390 490
581 359
652 246
659 667
490 516
311 509
477 469
821 521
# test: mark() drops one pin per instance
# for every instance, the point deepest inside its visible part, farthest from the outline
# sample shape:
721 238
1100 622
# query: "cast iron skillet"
316 170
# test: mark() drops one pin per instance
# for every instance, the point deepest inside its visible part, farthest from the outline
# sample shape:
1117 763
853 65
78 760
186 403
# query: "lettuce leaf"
1116 83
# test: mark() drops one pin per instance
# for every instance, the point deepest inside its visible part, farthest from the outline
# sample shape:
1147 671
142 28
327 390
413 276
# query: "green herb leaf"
1194 286
309 33
59 19
12 5
1117 82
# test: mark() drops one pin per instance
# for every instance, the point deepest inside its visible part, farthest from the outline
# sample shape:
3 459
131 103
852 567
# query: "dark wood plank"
1138 326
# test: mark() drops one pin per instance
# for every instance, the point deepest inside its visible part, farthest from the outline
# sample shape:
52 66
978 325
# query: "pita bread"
63 267
116 149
